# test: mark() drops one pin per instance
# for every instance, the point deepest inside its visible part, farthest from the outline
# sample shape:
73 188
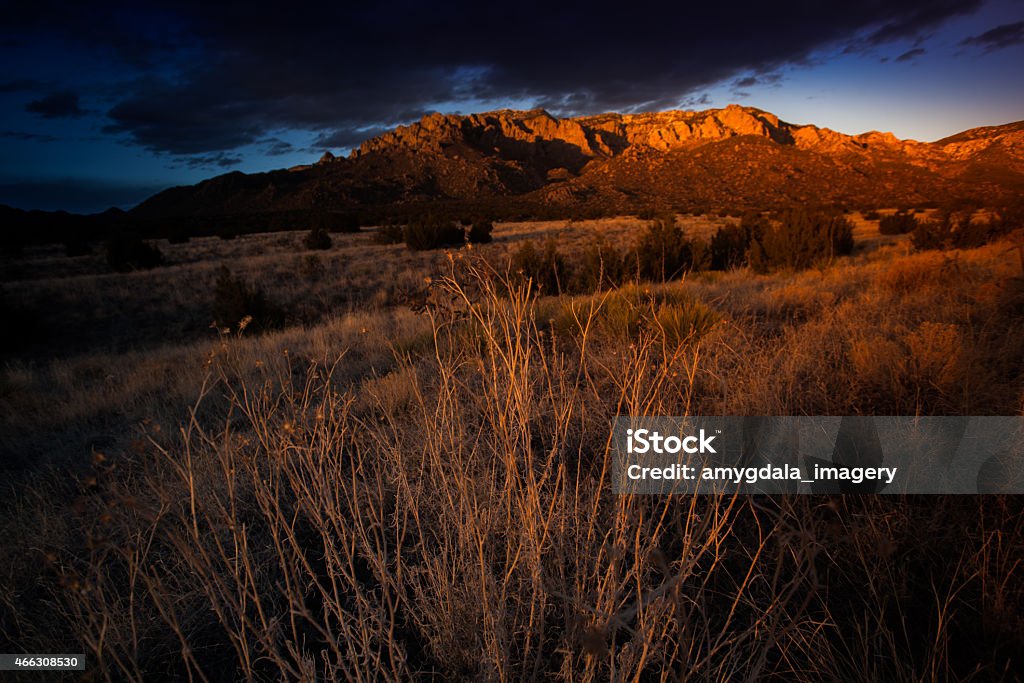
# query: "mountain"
736 157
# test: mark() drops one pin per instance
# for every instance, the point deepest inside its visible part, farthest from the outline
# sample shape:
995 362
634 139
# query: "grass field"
410 479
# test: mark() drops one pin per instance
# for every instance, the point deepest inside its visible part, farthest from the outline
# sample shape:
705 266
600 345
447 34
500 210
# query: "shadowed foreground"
453 518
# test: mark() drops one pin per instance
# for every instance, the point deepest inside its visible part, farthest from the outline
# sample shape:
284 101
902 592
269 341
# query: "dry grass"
389 496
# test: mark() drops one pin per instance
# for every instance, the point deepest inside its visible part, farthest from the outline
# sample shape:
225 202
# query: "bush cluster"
126 253
964 230
793 240
900 223
543 267
317 238
730 244
799 239
663 252
237 305
433 231
430 232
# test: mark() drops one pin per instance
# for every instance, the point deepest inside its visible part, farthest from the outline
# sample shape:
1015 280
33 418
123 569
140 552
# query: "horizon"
157 96
346 153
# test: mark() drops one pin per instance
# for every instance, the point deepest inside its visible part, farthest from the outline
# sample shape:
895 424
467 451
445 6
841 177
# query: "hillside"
722 158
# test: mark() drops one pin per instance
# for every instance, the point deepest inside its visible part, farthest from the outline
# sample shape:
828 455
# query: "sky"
103 104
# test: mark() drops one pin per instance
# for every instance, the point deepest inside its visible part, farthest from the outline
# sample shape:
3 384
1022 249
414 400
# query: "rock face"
538 133
731 157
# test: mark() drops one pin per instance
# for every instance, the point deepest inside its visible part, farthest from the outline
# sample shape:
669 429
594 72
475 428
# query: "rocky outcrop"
536 135
720 157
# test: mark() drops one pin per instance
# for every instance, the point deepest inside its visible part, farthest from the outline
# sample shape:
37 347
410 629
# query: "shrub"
317 238
799 239
126 253
936 234
389 233
335 221
958 230
623 314
663 253
480 232
900 223
685 321
77 246
431 232
544 268
602 267
730 244
237 305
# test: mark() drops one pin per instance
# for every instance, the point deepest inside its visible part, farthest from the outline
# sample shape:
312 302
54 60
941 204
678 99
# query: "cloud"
275 147
915 22
19 85
766 79
911 55
26 137
58 105
1006 35
215 79
213 161
344 138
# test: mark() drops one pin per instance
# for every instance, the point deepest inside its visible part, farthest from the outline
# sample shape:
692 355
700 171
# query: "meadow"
409 478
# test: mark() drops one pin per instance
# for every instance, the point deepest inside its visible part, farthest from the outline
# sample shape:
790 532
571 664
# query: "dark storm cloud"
1006 35
344 137
19 85
911 55
275 147
231 73
26 137
213 161
57 105
915 22
761 79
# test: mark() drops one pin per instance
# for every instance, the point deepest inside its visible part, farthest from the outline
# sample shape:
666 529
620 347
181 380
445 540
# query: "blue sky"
106 107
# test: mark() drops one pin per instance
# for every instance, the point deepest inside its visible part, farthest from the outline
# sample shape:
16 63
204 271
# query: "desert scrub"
317 238
126 253
964 229
543 268
237 305
668 314
899 223
663 252
731 243
465 526
480 232
432 232
797 239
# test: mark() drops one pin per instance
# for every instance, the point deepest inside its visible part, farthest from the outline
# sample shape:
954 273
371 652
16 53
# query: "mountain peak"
735 155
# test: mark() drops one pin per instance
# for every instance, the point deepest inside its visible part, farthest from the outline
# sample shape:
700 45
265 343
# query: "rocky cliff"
725 158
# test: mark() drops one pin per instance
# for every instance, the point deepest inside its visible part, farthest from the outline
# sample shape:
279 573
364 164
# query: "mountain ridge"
612 161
